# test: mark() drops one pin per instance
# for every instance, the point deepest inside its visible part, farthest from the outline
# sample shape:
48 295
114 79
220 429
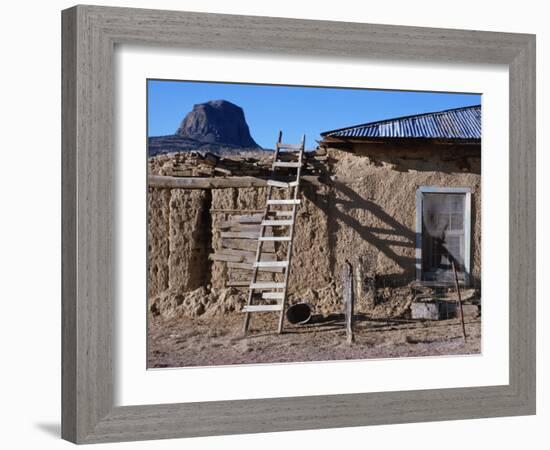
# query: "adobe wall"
179 240
367 209
311 243
374 207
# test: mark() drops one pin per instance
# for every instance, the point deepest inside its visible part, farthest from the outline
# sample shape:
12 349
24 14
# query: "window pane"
442 235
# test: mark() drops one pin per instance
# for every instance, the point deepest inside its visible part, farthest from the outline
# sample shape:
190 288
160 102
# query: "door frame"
420 191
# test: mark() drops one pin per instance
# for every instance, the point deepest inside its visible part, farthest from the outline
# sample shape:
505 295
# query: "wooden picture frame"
90 34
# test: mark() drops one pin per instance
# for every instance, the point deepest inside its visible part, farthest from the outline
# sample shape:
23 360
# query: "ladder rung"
289 146
270 264
286 164
273 295
276 223
267 285
283 213
292 201
262 308
250 266
274 238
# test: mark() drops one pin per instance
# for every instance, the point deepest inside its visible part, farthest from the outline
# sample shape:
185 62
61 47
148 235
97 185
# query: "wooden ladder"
275 217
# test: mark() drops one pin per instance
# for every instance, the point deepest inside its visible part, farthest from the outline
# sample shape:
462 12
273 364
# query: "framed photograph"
264 229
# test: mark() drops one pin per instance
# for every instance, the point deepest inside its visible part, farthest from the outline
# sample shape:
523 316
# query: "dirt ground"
184 342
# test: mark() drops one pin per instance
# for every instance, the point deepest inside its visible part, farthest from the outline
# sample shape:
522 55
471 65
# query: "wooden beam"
231 255
234 252
233 210
226 258
254 218
236 226
243 283
168 182
246 244
246 266
240 234
161 181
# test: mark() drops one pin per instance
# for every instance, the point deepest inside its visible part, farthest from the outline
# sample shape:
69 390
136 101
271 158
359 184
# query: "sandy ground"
183 342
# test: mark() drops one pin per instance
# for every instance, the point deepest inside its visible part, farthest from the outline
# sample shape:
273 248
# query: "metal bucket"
299 313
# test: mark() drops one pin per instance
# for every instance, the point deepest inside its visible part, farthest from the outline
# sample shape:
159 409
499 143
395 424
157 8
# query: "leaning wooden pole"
347 282
459 300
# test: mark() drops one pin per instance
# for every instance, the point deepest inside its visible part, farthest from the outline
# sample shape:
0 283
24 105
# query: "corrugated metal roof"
459 123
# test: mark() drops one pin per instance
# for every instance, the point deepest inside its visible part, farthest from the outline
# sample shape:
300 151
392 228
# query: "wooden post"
459 300
347 284
359 279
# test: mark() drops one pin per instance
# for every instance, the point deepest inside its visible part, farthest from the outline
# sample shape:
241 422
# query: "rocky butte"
217 125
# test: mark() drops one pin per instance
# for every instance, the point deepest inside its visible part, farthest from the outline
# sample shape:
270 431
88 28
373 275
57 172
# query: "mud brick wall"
372 210
158 240
178 239
310 261
367 209
312 253
189 239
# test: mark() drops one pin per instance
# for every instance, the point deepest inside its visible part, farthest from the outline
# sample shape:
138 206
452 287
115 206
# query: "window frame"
420 191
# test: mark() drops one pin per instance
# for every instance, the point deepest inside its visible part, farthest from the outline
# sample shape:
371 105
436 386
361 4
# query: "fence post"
347 284
359 280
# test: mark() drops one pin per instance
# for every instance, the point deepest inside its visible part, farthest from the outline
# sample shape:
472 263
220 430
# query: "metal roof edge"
393 119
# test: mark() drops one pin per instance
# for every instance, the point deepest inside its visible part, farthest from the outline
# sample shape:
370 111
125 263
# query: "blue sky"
293 109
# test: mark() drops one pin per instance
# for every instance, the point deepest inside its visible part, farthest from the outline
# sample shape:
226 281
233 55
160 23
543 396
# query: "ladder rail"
260 245
291 234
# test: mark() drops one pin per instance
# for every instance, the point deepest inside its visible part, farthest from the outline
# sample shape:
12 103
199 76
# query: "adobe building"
422 185
399 199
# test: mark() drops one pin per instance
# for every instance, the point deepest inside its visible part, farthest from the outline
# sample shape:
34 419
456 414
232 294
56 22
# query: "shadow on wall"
340 214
